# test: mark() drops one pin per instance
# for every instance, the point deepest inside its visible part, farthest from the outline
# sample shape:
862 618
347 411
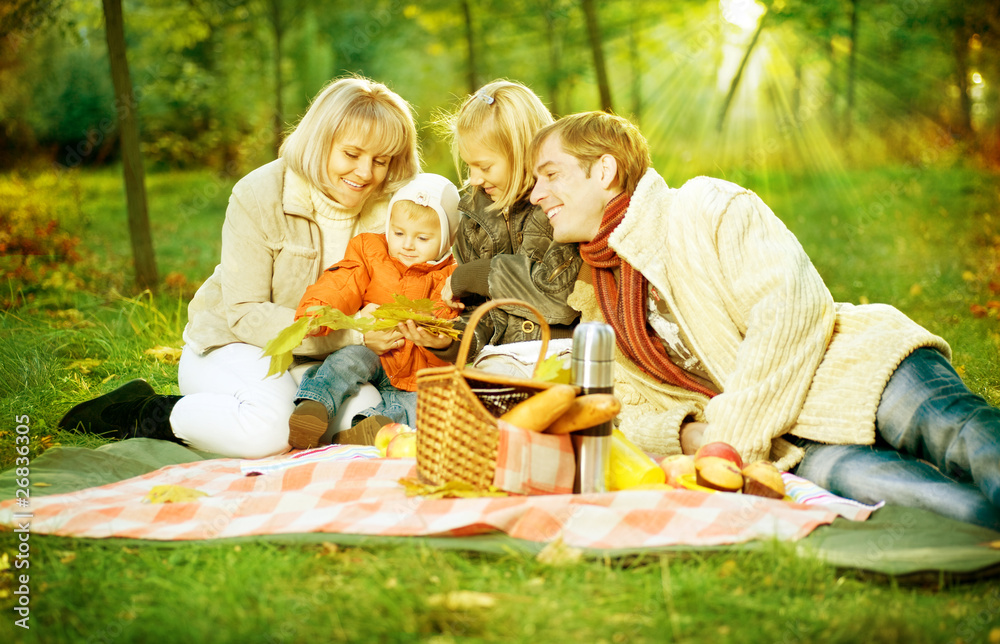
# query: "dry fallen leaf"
450 490
462 600
557 553
84 366
170 355
172 494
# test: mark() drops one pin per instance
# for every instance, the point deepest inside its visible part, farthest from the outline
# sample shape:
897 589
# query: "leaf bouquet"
386 316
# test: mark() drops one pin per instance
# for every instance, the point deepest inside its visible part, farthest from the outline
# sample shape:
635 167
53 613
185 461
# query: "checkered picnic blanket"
364 496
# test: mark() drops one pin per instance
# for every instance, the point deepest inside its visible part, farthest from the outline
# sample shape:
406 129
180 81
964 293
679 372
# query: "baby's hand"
368 311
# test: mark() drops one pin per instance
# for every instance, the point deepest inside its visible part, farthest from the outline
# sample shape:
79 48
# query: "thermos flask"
592 370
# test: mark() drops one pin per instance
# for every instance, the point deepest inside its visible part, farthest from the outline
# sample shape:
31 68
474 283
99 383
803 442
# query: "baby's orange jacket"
366 275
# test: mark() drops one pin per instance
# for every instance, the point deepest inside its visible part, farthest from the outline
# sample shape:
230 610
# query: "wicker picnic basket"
457 410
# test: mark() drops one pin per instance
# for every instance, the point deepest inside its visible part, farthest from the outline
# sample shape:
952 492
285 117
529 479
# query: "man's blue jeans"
342 374
937 447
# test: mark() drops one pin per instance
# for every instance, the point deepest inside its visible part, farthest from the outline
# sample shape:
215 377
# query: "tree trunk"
961 51
470 39
739 74
277 124
851 73
596 46
128 125
635 62
552 35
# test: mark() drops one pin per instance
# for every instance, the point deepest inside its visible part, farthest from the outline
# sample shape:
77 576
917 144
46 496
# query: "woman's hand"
381 341
384 341
448 297
421 337
692 436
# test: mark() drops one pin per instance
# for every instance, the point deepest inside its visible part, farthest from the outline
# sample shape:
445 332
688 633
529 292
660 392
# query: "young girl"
504 246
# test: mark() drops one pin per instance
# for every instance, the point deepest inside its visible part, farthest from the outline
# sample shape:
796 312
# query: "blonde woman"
504 245
286 222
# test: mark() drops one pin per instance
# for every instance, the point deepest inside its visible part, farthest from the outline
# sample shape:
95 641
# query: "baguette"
586 411
537 412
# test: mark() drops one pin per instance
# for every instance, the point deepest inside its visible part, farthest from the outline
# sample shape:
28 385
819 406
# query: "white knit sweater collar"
327 208
301 197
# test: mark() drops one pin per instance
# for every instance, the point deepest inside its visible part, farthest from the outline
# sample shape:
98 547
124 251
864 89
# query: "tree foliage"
215 86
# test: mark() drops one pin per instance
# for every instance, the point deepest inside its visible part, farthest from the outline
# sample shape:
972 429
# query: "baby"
413 258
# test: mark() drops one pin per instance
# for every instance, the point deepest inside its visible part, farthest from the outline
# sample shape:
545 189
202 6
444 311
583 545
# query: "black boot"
87 415
146 417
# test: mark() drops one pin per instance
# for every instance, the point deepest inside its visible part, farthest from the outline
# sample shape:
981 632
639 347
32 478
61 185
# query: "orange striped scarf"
625 308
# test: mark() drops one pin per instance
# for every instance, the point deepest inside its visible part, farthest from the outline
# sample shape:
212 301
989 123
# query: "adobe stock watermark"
22 521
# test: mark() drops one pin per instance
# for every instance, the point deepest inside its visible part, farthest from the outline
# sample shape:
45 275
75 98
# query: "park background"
871 127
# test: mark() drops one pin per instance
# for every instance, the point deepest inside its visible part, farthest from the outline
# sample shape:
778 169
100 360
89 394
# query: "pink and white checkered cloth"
363 496
534 463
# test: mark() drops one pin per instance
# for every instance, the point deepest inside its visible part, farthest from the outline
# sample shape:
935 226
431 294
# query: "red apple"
387 432
676 466
721 450
762 478
718 473
403 445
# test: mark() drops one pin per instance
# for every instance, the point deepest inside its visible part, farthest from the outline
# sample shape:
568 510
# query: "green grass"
929 247
266 592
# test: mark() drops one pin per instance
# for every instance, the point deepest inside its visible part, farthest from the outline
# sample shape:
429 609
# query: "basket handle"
481 310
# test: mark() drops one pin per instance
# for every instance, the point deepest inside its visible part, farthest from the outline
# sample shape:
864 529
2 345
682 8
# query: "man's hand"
421 337
692 436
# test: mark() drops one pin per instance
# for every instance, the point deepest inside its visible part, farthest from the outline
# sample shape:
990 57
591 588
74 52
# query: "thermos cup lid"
593 342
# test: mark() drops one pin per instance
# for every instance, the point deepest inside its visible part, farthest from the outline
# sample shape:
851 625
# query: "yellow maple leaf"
462 600
84 366
172 494
170 355
557 553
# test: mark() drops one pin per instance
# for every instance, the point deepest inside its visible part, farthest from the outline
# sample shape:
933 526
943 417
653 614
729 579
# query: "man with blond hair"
726 332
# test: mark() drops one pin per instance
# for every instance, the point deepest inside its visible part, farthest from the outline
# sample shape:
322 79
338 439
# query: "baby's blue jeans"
341 375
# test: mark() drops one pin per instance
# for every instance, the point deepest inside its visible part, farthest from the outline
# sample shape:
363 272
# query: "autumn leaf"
386 316
450 490
978 310
462 600
169 355
553 369
84 366
557 553
172 494
280 346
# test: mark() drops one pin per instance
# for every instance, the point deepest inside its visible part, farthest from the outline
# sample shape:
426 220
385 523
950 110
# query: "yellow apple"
675 466
387 432
403 445
718 473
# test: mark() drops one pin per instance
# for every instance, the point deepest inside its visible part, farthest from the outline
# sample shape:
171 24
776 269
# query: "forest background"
871 128
733 89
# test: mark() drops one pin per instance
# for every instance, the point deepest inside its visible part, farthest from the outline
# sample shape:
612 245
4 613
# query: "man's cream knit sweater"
752 307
